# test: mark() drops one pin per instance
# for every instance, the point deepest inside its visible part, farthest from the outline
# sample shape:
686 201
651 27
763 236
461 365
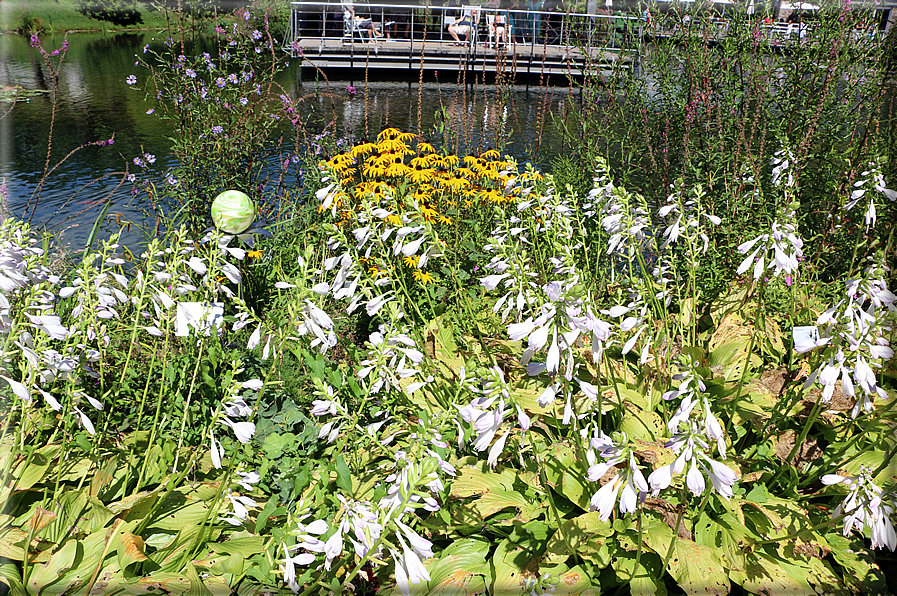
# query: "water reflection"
95 104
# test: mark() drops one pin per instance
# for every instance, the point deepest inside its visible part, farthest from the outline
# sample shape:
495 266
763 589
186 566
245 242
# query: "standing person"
533 19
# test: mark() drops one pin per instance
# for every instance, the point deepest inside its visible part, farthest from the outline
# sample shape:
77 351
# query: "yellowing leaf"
130 549
39 520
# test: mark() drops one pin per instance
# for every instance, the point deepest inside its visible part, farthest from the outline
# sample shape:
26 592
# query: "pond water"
94 103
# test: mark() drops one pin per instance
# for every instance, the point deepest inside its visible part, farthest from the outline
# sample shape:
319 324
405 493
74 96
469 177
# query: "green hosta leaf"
766 574
197 587
175 583
731 357
494 491
584 536
44 574
460 571
12 577
565 475
343 475
696 568
104 478
440 344
642 424
861 574
643 578
27 476
571 582
246 547
509 563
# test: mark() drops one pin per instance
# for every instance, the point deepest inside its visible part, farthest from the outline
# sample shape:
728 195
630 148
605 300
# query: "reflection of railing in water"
399 36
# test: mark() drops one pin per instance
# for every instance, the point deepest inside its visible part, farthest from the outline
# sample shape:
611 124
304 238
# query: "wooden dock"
540 43
410 55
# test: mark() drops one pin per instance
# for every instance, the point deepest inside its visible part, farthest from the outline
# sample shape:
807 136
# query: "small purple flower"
181 58
220 82
110 141
150 111
131 80
172 180
150 158
219 29
35 40
246 16
217 130
139 162
243 101
203 92
190 73
351 90
130 177
145 48
256 34
233 78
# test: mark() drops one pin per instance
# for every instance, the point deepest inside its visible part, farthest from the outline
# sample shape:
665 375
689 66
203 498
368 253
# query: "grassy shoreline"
57 16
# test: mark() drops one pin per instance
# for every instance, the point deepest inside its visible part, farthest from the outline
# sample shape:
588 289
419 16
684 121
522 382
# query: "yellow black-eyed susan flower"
424 277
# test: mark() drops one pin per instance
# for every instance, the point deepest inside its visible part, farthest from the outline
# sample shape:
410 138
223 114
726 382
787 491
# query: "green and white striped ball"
233 211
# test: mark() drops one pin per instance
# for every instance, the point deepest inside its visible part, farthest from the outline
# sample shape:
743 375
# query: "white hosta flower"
866 505
85 421
244 430
19 389
240 506
629 482
780 250
691 447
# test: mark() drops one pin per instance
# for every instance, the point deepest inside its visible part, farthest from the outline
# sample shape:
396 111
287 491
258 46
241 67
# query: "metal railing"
414 23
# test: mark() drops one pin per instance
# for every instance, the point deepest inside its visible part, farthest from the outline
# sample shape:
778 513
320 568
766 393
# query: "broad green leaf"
44 574
643 425
173 583
509 563
731 356
583 536
197 587
478 478
461 570
27 476
343 475
862 574
11 541
571 582
643 578
764 574
695 567
241 546
565 475
103 478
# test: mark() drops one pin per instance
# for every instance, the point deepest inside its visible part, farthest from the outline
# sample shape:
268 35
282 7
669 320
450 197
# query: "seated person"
499 27
367 26
464 26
